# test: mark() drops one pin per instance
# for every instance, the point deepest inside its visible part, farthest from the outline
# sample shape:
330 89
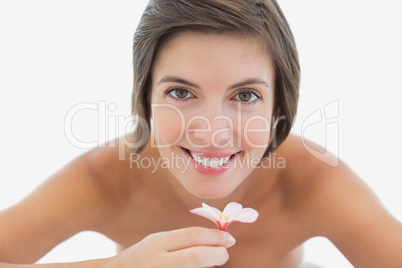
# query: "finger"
199 256
194 236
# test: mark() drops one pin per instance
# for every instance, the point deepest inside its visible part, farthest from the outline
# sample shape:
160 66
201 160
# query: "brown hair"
263 19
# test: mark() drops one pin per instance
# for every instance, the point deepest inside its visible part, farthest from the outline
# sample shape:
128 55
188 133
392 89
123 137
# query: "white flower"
232 212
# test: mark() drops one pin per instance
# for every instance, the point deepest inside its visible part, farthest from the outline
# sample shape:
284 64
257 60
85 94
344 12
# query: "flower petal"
231 209
246 215
214 210
224 226
205 212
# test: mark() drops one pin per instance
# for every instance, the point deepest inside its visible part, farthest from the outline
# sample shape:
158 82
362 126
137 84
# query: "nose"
211 128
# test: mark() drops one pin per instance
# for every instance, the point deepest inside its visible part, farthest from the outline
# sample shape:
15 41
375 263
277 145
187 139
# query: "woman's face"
212 103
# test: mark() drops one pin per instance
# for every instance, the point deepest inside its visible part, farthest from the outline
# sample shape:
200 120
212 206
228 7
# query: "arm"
89 264
68 202
76 199
346 211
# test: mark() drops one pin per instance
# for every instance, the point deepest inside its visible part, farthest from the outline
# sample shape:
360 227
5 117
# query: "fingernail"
230 241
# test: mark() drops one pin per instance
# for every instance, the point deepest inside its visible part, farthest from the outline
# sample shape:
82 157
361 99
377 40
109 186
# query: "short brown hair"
263 19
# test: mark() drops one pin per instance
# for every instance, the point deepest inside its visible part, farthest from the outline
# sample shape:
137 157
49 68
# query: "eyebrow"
248 81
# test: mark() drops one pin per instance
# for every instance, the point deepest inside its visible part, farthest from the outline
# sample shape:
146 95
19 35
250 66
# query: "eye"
247 96
179 93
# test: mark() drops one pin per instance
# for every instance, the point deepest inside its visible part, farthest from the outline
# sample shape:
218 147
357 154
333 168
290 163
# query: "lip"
210 170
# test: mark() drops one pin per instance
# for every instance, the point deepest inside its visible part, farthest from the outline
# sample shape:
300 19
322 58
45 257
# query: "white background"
57 54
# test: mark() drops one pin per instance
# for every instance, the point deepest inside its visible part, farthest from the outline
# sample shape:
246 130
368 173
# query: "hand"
192 247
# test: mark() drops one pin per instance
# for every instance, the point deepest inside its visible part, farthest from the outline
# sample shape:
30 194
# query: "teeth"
221 161
214 162
207 162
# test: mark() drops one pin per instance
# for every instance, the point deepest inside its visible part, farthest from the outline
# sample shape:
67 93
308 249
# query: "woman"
220 80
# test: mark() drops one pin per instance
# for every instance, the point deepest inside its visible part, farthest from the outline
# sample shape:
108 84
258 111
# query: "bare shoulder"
76 198
110 166
336 203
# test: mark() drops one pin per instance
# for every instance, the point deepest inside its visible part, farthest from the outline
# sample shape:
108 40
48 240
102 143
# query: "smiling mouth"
213 162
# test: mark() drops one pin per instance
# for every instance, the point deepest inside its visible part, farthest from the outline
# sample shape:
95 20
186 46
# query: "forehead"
250 41
205 53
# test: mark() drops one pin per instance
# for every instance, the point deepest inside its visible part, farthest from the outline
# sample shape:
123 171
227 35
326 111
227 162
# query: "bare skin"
147 213
273 241
308 198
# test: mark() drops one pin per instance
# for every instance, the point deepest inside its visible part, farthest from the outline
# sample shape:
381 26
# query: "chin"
209 192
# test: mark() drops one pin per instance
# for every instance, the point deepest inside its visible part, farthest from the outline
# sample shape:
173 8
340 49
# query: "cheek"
256 132
168 125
